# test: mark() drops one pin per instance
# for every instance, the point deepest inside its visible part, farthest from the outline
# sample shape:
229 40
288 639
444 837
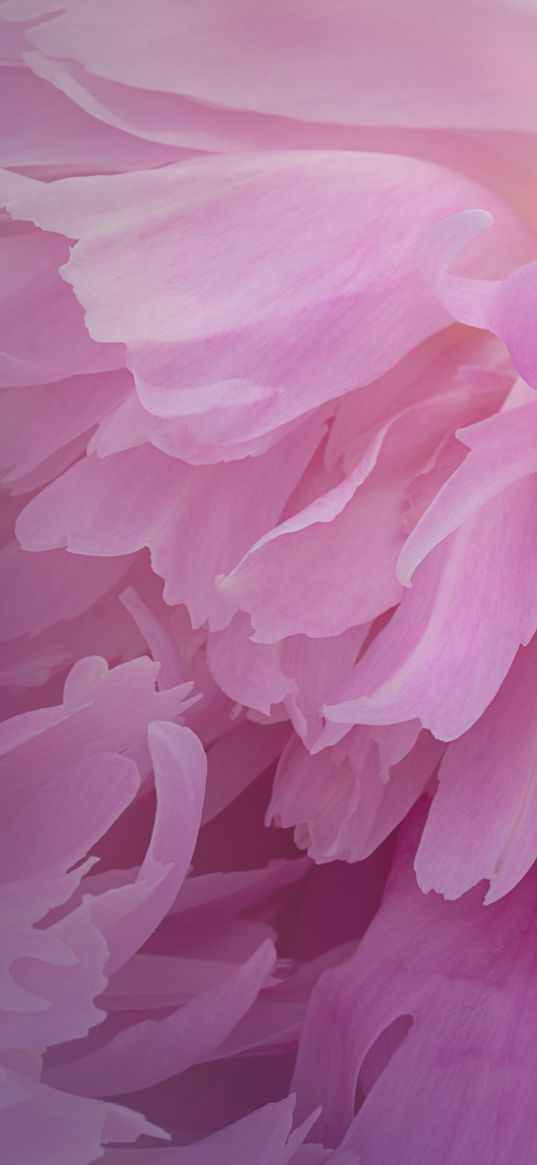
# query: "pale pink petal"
332 566
224 510
502 306
144 498
128 915
503 449
250 673
107 507
298 673
315 666
356 64
296 555
469 300
293 308
441 660
341 803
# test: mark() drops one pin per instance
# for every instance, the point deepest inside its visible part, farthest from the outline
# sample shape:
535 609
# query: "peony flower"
269 618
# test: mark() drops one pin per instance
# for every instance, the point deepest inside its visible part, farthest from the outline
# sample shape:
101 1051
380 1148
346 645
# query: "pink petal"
237 759
502 450
440 660
151 1051
264 1136
43 335
295 315
299 673
40 1126
356 64
41 420
46 130
144 498
340 802
481 823
40 591
332 566
128 915
462 975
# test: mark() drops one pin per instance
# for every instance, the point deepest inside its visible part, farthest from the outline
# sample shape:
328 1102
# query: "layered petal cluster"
269 613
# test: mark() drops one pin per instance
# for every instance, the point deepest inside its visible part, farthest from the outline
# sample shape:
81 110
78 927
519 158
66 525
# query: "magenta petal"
40 1126
461 975
152 1051
265 1136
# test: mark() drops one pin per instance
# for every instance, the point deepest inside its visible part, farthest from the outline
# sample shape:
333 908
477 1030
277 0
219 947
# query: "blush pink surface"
268 552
